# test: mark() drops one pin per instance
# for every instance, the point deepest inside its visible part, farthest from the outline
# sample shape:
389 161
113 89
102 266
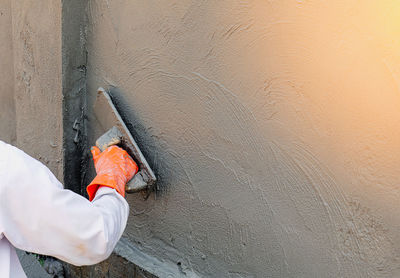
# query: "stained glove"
114 168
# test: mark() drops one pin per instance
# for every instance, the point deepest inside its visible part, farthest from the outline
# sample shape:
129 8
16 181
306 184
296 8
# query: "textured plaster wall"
36 43
7 107
30 71
273 126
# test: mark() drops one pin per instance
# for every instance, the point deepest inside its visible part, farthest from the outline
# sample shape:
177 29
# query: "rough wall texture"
7 107
273 127
36 39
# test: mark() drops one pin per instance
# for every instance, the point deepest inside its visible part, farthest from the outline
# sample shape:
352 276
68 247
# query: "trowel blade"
116 132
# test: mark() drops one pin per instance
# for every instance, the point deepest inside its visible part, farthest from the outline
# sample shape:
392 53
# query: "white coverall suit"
38 215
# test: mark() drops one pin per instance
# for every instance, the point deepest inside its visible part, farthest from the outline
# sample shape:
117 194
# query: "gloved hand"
114 169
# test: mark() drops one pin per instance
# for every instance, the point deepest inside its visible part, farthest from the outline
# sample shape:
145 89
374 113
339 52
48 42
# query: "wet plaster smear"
273 127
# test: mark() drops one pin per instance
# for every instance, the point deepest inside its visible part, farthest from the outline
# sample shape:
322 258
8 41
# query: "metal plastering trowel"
118 134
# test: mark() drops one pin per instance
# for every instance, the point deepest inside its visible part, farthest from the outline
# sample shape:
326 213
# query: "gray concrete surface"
7 105
36 43
31 266
272 126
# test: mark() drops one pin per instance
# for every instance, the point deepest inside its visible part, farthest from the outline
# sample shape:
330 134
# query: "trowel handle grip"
112 137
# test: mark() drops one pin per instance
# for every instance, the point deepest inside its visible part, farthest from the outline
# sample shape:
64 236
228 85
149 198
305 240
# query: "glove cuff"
102 180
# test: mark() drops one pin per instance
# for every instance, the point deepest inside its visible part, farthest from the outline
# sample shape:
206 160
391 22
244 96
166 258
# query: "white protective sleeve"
38 215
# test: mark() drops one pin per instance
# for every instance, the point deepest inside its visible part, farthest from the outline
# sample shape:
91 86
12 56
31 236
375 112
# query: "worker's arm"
39 216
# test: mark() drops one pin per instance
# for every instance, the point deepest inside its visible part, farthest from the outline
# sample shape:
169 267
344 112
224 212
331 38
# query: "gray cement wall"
7 106
36 39
272 126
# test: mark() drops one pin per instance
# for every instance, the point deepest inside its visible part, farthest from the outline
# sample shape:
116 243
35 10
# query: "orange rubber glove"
114 169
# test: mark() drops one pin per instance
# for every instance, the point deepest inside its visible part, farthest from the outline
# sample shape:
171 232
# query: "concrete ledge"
162 269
